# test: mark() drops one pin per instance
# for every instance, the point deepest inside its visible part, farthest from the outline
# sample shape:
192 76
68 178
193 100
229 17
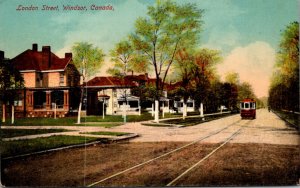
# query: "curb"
289 124
105 141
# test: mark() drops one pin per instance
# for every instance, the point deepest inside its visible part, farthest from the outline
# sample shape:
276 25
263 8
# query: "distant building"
48 80
110 93
113 92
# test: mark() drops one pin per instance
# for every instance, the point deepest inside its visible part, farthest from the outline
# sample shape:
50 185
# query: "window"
39 79
61 79
19 100
57 97
39 100
189 104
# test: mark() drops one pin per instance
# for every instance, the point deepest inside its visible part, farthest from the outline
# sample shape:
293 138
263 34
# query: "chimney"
46 51
146 75
34 47
68 55
1 55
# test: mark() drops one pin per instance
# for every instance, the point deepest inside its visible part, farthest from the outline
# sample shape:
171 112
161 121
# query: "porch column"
66 100
48 100
29 100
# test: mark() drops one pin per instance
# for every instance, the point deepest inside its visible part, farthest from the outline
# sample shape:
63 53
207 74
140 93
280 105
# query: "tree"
184 65
122 56
233 81
245 91
10 82
88 59
204 74
158 37
284 89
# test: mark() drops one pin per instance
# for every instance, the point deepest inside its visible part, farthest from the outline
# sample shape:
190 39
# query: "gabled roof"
170 87
110 81
33 60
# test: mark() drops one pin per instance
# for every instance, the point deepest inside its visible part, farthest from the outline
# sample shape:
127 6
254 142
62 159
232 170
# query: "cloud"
254 64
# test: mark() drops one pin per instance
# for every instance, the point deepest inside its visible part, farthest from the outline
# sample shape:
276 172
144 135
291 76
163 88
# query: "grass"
18 147
106 133
194 120
119 118
71 121
9 133
290 117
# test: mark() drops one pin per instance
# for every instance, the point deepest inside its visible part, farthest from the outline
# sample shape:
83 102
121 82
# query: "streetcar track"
163 155
206 157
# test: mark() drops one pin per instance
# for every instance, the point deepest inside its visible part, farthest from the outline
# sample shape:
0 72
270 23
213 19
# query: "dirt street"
265 152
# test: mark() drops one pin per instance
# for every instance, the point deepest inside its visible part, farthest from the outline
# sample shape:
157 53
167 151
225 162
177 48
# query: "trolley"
248 108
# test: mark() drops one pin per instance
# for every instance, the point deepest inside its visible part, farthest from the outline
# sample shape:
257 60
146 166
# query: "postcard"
149 93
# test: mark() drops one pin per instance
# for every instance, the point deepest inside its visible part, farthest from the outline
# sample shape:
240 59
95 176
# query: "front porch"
45 102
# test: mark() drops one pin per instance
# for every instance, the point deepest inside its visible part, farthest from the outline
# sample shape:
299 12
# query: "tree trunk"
55 110
3 113
184 110
163 109
124 111
79 108
152 109
79 112
156 117
201 110
12 114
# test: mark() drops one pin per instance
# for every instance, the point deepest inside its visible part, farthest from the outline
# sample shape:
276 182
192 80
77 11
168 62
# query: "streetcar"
248 108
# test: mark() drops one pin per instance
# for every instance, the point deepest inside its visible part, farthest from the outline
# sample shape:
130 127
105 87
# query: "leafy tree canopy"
87 57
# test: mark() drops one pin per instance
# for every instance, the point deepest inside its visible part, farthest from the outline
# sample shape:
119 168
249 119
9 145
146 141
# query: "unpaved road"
265 152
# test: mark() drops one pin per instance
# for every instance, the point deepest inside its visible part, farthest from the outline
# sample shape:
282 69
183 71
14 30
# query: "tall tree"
88 59
204 73
122 56
10 82
284 90
245 91
184 65
159 36
233 81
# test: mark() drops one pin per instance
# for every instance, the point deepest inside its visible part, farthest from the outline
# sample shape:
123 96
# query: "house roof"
110 81
39 61
129 81
170 87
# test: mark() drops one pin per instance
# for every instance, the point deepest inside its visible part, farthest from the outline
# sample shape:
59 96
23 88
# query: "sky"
247 32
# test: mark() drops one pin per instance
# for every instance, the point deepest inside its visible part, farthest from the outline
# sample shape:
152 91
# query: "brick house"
48 80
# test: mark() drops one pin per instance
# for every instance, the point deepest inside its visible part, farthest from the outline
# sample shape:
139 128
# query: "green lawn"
291 118
71 121
106 133
18 147
9 133
108 121
194 120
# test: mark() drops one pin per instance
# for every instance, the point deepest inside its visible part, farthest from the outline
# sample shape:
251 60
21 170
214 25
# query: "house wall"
53 78
112 104
29 79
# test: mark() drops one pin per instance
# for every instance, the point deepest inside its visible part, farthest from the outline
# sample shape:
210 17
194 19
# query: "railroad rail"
178 149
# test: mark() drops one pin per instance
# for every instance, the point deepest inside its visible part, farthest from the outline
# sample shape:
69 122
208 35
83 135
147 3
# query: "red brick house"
48 80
